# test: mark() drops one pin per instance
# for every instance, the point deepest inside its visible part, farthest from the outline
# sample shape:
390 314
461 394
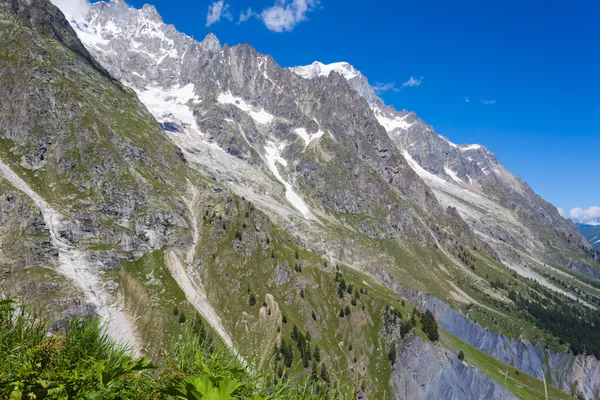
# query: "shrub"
430 327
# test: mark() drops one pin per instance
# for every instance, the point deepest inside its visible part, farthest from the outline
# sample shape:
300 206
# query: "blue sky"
535 63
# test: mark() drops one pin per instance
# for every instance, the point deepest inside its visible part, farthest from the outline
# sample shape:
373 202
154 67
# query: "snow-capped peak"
319 69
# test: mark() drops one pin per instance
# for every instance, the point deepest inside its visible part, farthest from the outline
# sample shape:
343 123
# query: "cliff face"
428 371
573 374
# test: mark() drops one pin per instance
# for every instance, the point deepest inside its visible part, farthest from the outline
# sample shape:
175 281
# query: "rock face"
428 371
93 167
580 374
242 102
28 260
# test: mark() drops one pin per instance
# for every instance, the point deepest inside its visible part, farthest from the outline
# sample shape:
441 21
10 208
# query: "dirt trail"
73 265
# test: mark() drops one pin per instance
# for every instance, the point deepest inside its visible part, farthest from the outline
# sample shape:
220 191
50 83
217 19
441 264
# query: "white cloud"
467 100
562 213
488 102
413 82
72 8
284 15
590 215
381 88
216 11
245 16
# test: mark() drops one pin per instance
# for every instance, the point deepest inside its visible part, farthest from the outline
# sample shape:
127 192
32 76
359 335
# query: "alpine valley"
309 225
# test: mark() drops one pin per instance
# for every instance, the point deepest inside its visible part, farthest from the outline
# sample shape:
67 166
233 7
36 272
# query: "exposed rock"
428 371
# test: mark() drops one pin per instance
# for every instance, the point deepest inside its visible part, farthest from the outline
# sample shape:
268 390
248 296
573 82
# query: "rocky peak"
150 12
210 42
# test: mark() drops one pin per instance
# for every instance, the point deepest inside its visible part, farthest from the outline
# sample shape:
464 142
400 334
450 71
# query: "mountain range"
142 170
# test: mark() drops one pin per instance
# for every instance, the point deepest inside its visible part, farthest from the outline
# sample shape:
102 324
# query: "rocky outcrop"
573 374
429 371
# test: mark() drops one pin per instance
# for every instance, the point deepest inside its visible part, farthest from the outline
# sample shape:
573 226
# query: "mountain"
151 177
591 233
526 231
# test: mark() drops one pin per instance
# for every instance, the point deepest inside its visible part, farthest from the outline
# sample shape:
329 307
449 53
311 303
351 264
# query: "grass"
521 384
83 363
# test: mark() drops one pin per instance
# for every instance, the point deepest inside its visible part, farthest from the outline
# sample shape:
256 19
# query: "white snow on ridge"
319 69
452 175
308 137
470 147
261 116
171 105
391 124
273 156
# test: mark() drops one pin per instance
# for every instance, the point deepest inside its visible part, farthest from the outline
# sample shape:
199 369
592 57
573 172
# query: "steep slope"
80 149
527 232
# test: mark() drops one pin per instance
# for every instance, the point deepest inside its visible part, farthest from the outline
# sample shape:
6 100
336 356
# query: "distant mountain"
591 233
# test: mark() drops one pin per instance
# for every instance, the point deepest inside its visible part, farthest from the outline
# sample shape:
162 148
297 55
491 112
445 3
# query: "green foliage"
461 355
317 353
83 363
252 300
324 374
182 318
577 326
392 354
430 327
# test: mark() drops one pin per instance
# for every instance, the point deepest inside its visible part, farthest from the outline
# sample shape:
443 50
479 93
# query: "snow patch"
259 115
470 147
391 124
172 105
319 69
452 175
308 137
421 171
262 117
273 156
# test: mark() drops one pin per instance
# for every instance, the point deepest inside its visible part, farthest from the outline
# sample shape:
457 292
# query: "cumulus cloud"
216 11
413 82
245 16
284 15
488 102
467 100
590 215
562 212
72 8
381 88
